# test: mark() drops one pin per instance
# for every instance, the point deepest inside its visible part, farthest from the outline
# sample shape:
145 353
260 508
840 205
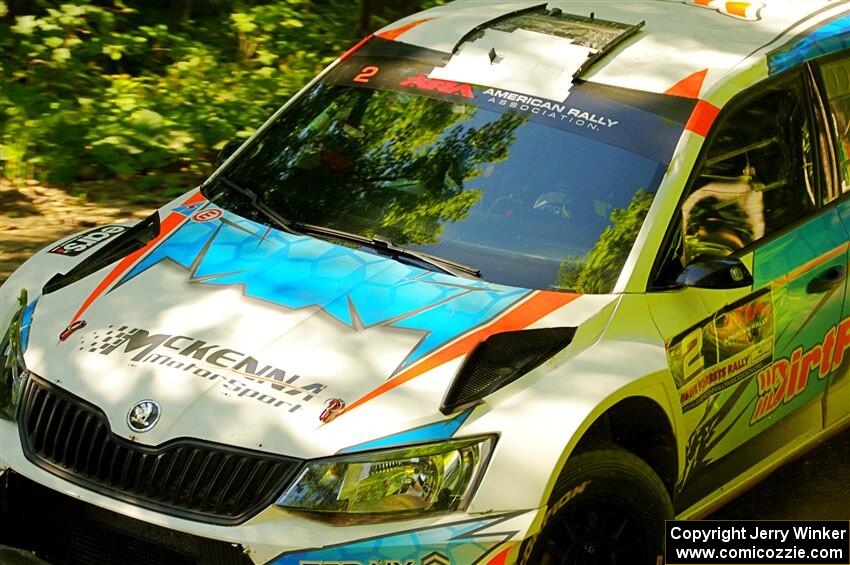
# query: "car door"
834 83
751 371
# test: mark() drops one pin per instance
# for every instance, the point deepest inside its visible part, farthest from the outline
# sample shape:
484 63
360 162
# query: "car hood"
245 335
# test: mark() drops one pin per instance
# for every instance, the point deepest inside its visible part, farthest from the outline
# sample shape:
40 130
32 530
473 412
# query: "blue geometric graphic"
829 38
26 321
357 288
458 542
443 429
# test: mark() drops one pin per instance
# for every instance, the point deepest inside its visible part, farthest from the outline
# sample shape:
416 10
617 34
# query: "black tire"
607 508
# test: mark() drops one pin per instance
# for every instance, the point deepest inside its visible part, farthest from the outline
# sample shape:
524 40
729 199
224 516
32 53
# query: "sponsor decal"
728 348
548 109
788 377
207 215
422 82
558 112
83 242
602 115
238 373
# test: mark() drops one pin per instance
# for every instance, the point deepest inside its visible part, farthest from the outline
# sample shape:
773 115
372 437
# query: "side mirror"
715 272
227 151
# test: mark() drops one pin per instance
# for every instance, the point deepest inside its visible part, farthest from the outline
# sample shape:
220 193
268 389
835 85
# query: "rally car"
506 283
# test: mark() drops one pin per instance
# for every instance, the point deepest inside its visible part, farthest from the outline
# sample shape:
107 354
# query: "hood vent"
500 360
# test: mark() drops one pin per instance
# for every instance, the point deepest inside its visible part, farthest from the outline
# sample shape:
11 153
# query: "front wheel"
607 508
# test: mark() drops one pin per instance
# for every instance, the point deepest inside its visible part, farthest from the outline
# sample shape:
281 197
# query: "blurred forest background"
148 91
108 108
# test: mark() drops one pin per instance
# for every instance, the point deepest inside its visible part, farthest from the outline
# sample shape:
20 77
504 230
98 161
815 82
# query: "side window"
836 79
757 176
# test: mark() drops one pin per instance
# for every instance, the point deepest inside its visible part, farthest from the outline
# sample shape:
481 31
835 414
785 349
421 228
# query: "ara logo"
87 240
437 85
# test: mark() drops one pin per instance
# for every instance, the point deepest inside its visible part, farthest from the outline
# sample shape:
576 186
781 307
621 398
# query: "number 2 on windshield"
366 73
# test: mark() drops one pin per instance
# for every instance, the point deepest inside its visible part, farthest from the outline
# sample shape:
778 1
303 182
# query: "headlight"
13 371
382 485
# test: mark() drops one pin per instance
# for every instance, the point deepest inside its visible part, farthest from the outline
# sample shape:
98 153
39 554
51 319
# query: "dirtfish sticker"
786 378
728 348
559 112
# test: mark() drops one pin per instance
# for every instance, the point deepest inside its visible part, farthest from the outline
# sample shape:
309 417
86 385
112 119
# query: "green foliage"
597 273
112 88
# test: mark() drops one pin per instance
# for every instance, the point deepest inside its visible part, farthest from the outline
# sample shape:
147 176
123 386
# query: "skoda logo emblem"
143 416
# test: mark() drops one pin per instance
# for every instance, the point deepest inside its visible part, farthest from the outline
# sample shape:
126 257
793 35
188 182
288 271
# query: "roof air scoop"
540 51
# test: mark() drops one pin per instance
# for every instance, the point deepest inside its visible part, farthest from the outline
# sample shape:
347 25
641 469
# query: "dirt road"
31 216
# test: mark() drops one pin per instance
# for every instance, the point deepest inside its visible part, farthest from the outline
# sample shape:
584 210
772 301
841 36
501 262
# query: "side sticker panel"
751 378
724 350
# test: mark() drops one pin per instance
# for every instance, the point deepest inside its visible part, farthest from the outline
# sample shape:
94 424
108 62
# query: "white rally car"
507 282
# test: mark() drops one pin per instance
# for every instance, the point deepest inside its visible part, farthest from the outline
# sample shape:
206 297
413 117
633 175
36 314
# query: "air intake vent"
188 478
501 359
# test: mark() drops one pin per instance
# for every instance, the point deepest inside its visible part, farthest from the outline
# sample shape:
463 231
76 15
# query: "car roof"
680 47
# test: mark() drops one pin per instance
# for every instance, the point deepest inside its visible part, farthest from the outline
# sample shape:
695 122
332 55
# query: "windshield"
459 174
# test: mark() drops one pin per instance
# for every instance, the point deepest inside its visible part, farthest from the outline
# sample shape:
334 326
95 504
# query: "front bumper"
273 536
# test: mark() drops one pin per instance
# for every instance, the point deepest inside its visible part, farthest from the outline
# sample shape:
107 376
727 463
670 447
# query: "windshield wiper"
380 244
387 247
260 205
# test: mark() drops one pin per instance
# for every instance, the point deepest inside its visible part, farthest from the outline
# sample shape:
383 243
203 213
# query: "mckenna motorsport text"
247 376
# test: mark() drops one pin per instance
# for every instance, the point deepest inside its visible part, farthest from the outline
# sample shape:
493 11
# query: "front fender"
544 415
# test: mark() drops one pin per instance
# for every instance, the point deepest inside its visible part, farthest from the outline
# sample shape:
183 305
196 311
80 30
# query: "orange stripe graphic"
355 47
393 34
688 87
538 305
501 558
817 261
702 117
166 226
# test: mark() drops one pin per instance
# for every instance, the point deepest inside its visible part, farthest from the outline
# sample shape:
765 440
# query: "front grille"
188 478
66 531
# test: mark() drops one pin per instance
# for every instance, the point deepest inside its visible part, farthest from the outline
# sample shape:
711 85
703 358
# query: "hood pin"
66 333
333 406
